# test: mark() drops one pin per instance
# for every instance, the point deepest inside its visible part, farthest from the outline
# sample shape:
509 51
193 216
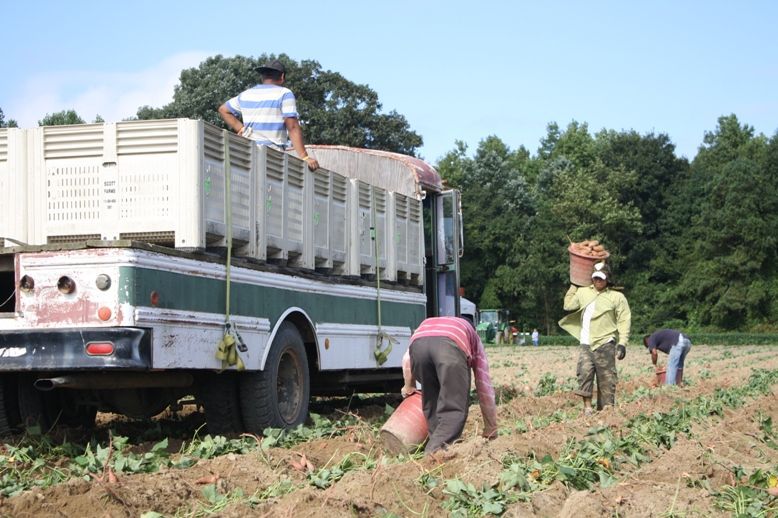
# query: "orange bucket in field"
581 267
406 429
661 377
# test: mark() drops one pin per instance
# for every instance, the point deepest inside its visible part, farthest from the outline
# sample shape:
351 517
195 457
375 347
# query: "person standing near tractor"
440 356
673 343
601 322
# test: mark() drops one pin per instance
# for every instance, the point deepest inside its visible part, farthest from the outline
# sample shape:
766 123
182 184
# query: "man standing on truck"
600 320
269 113
440 356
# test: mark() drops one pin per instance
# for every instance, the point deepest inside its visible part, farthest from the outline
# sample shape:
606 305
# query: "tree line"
693 244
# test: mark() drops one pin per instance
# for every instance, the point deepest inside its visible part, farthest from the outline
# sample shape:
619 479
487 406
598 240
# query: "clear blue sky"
456 70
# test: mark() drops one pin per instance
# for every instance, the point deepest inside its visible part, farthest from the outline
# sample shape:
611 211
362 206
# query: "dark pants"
600 363
441 368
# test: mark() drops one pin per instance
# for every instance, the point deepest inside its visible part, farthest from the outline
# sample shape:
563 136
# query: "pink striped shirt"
461 332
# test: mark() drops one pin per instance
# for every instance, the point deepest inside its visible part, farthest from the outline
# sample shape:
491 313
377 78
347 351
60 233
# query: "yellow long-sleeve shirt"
611 318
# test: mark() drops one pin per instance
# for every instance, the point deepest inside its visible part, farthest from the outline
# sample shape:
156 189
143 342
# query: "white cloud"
114 96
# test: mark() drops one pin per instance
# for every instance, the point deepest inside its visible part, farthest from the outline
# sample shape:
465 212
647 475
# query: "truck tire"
218 393
75 414
9 405
277 397
37 408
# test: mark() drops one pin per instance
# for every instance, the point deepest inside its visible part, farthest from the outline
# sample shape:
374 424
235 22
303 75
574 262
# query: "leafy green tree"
575 144
332 109
731 200
496 199
520 212
694 245
10 123
643 271
585 196
61 118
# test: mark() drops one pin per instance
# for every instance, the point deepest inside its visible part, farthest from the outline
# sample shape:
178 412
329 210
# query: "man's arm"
296 136
484 388
654 356
571 299
623 320
232 121
410 383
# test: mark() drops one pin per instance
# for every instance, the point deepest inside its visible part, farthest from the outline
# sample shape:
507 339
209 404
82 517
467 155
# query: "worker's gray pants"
602 363
441 368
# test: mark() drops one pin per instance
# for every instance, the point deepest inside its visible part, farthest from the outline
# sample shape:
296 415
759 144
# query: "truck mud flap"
44 350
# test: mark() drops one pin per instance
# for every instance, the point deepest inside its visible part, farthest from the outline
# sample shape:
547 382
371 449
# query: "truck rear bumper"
55 349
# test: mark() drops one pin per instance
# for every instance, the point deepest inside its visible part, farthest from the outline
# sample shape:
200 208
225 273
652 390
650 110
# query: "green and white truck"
146 261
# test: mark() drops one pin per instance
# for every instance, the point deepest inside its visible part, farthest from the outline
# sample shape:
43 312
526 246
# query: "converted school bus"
132 249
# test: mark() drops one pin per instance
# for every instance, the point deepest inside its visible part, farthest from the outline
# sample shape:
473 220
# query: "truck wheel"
218 393
75 414
277 397
9 406
37 408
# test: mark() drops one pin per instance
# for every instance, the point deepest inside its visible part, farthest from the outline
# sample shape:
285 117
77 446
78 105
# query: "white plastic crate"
13 186
369 213
329 218
338 223
155 181
286 199
163 181
408 238
243 175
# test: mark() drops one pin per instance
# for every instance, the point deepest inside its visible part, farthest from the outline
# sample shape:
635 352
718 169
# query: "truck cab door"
443 248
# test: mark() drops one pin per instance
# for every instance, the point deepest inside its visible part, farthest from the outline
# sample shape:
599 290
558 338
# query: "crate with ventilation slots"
163 182
154 181
408 243
13 187
369 229
330 221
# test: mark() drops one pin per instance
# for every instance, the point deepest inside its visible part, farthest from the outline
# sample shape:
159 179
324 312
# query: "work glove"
621 352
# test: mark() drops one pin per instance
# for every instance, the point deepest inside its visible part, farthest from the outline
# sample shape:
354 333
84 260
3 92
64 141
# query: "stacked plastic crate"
153 181
408 236
13 187
163 181
330 225
285 195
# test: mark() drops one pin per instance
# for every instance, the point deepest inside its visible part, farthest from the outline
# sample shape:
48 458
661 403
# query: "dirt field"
705 449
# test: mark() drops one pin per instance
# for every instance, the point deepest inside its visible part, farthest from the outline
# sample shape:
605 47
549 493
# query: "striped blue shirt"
263 108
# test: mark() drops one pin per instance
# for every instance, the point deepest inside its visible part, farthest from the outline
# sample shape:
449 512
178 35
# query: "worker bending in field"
440 356
601 323
673 343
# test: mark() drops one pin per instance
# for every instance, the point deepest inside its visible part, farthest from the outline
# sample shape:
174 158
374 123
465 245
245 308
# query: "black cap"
274 65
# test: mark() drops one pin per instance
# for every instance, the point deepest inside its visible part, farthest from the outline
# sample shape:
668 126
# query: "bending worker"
673 343
601 323
440 356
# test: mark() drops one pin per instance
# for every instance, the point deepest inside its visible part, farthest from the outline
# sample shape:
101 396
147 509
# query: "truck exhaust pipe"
124 380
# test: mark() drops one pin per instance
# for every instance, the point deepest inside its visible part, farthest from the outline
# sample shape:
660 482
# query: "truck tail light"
104 313
99 348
